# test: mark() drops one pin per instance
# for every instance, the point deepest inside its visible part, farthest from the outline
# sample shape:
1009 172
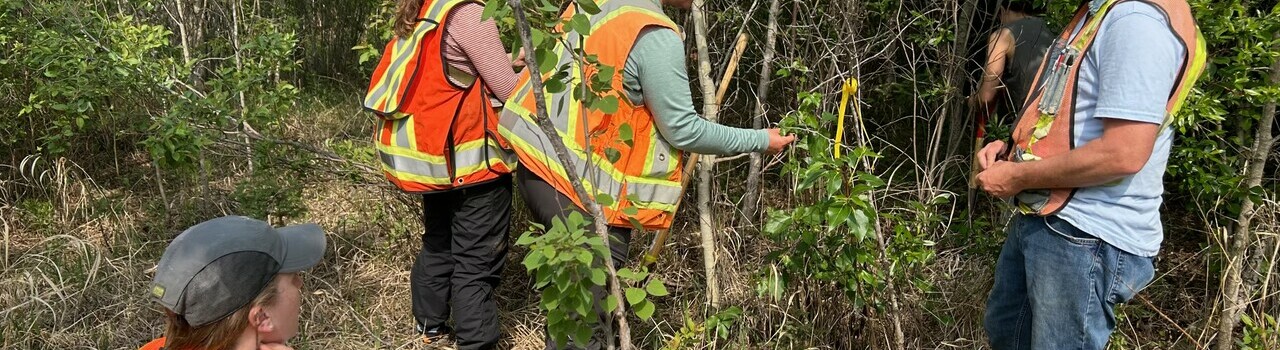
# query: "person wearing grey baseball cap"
232 283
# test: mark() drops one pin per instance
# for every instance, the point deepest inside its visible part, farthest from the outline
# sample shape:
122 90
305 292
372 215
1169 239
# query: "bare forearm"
1091 165
987 92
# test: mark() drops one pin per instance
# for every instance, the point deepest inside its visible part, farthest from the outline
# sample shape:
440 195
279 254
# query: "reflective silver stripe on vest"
595 177
477 158
401 128
653 193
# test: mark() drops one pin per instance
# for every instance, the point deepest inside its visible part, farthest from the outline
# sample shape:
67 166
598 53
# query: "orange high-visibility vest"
435 135
619 155
1045 128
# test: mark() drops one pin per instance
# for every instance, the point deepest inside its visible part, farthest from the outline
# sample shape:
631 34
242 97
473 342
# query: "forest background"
123 122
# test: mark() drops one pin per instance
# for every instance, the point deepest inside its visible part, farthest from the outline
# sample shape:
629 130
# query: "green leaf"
871 180
582 334
543 278
656 288
582 309
630 211
635 224
627 274
554 86
836 214
604 199
588 6
550 298
861 224
598 277
626 134
606 105
533 260
610 304
635 295
779 221
645 310
613 155
547 60
490 9
581 24
526 239
562 281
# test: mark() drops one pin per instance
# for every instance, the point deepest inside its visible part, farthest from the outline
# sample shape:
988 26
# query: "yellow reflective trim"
1091 27
427 157
1190 77
415 177
648 160
670 208
551 163
652 181
386 92
575 115
393 135
410 129
627 9
405 152
439 181
573 146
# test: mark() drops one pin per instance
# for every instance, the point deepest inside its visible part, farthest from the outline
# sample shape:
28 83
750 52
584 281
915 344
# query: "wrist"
1018 176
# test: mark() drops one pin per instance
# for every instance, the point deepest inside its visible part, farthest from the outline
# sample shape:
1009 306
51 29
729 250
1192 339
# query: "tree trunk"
750 202
953 115
235 42
1236 293
602 228
710 109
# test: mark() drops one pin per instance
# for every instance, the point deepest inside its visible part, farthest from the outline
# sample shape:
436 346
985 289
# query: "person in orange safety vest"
435 91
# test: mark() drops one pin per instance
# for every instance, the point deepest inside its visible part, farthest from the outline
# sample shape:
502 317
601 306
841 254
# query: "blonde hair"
406 17
218 335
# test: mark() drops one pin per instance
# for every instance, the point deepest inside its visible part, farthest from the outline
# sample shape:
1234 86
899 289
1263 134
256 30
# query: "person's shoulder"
1129 11
659 39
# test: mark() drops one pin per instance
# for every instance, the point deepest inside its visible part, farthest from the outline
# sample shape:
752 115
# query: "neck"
248 340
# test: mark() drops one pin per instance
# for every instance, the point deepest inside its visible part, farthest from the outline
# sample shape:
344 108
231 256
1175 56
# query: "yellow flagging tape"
849 88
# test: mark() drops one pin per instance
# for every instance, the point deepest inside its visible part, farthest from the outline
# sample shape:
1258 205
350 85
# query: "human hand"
778 142
990 154
1000 179
519 61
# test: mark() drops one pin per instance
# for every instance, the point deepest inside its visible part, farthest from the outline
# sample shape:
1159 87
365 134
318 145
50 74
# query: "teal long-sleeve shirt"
655 76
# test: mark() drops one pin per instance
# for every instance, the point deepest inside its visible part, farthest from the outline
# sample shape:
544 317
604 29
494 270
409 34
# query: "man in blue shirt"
1059 277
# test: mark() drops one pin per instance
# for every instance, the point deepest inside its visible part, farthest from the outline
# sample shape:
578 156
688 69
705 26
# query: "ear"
260 321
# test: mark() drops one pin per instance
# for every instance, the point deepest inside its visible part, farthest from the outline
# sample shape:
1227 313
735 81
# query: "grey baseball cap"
218 266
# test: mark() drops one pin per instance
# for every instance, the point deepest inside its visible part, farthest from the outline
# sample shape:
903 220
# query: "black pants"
463 250
545 203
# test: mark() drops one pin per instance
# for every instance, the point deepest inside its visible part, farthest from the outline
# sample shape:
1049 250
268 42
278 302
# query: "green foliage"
1215 126
833 237
40 213
269 196
86 72
567 262
74 70
693 333
1260 334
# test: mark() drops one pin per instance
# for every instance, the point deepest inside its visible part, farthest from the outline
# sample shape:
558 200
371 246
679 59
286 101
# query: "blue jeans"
1057 287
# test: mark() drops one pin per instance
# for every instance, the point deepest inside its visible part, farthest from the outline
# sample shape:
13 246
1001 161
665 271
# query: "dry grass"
77 255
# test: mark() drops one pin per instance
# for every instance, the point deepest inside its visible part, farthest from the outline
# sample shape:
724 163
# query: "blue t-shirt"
1127 74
